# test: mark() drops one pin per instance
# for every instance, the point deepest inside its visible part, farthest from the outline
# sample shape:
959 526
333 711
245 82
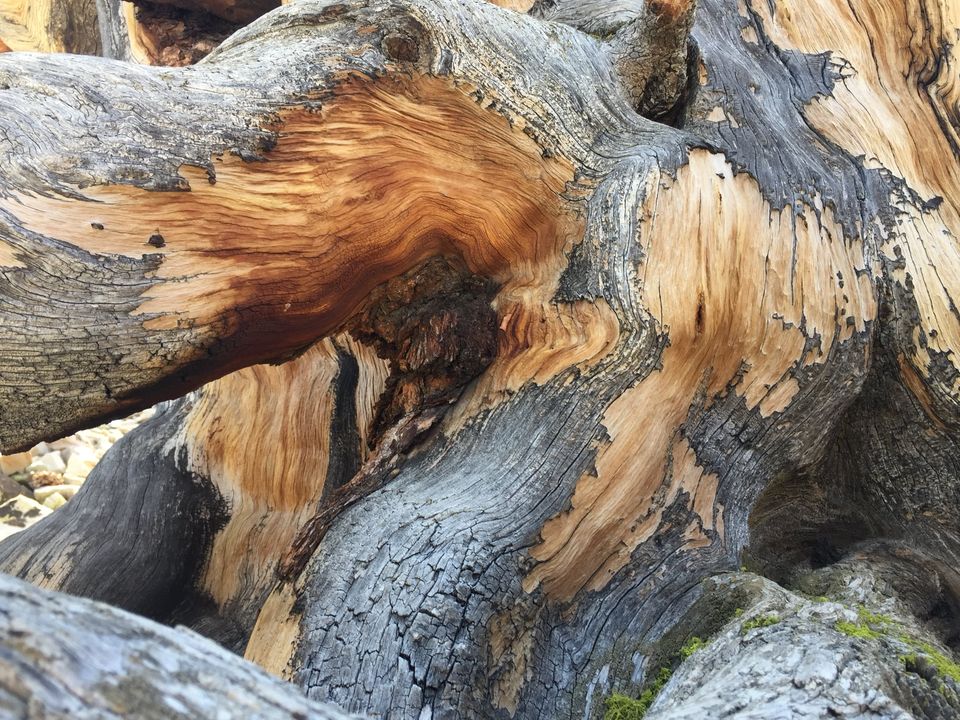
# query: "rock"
67 491
10 464
10 488
20 513
68 446
82 461
40 449
50 462
42 478
55 501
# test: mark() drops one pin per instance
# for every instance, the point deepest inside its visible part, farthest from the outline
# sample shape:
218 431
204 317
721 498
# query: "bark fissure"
571 361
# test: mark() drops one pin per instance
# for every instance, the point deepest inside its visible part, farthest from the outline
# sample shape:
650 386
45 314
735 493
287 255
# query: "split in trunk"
544 356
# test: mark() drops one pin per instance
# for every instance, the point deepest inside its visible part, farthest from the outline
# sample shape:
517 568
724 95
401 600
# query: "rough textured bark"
65 657
649 351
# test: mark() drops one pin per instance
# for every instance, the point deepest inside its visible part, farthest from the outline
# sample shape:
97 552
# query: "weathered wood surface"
751 309
785 655
50 26
66 657
170 34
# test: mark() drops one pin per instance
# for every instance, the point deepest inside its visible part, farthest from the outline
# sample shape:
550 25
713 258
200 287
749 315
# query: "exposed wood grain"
65 658
205 268
691 323
50 26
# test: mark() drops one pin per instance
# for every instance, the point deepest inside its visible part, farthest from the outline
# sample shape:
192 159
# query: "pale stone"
10 464
51 462
42 478
55 501
43 493
40 449
81 462
19 513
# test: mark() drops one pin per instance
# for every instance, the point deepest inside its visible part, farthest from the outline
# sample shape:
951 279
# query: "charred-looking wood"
436 327
685 322
238 12
161 519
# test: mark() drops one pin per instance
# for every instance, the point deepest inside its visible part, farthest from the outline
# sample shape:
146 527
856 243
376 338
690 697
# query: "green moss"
869 625
871 618
857 630
759 621
718 605
944 665
621 707
691 646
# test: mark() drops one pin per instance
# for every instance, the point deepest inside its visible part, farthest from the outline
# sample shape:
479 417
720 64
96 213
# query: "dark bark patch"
401 47
437 328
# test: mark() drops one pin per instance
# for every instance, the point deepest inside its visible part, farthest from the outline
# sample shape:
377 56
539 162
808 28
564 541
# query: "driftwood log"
491 334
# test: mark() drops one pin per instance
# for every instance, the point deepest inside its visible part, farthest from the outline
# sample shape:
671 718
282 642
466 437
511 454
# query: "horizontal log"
180 261
64 657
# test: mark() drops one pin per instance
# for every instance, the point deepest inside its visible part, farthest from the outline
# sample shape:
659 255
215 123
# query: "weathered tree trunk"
550 363
65 657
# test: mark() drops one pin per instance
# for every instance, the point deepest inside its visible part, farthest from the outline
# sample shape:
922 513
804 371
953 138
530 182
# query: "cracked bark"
488 485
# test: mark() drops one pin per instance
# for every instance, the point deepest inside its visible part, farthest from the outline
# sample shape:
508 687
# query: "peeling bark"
549 363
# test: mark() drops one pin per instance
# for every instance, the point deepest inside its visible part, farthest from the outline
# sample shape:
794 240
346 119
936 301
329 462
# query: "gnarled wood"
696 327
65 657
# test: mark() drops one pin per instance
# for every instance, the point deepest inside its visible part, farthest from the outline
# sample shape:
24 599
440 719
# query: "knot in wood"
436 326
400 47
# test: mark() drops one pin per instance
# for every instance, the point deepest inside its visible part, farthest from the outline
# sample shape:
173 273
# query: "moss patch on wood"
760 621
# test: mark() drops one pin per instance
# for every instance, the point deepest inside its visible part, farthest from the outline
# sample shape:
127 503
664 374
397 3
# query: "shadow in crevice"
883 497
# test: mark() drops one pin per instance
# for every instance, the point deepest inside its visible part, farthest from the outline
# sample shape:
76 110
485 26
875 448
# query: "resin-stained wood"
504 326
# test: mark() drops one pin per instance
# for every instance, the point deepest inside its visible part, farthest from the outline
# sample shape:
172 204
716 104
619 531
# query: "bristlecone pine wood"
50 26
490 333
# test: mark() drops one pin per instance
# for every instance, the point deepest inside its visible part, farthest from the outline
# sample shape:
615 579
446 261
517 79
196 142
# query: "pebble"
10 488
81 462
35 483
10 464
54 501
65 491
19 513
51 462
